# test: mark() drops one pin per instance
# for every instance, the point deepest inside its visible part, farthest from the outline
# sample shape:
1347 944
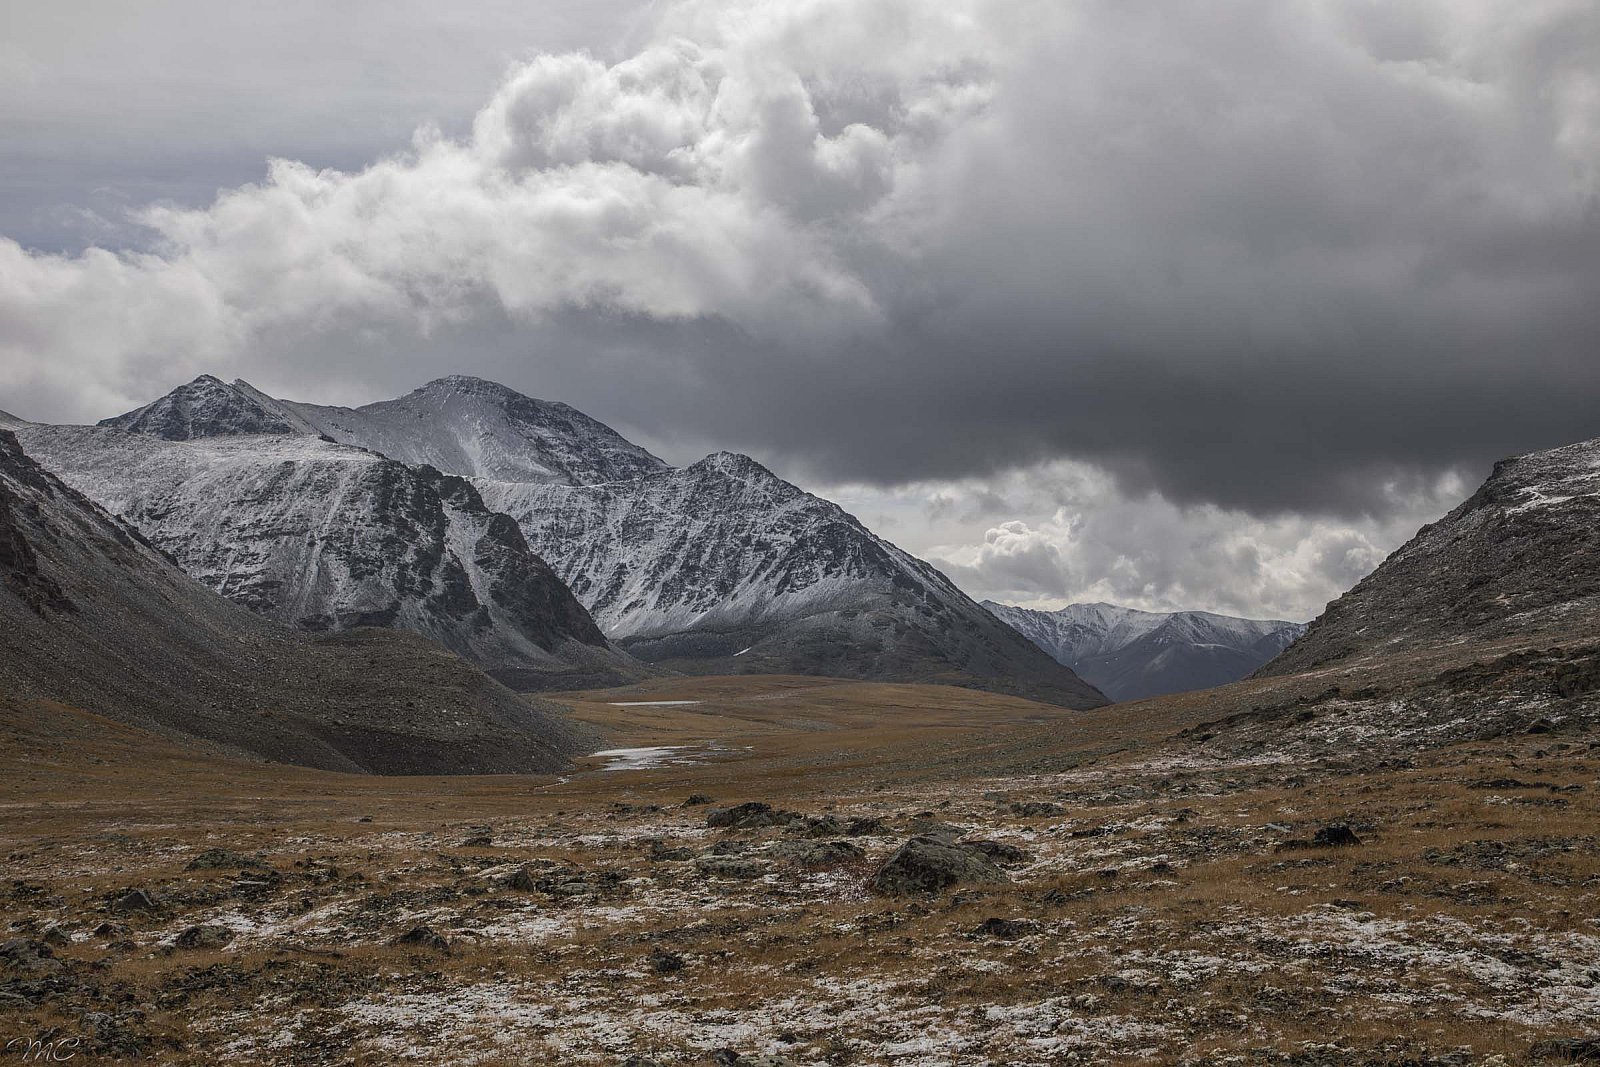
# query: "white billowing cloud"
1076 536
1256 253
693 179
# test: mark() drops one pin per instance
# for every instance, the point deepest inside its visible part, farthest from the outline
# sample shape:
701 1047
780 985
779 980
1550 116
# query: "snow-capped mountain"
718 567
1129 654
1515 564
94 617
324 536
723 566
480 429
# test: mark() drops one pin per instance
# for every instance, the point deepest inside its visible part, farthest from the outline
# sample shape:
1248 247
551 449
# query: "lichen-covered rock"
928 865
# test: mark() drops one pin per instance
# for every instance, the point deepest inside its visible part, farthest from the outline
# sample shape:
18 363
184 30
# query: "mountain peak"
477 428
205 407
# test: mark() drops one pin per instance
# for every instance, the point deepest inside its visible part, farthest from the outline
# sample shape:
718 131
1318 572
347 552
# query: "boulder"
930 864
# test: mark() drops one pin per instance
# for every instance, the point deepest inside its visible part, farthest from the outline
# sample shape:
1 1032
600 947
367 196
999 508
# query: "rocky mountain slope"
723 567
1518 561
323 536
1129 654
93 616
718 567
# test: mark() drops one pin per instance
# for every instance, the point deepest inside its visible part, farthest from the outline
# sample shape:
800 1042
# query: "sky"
1171 304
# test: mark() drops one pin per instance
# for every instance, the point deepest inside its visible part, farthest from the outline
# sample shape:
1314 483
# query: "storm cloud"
1270 264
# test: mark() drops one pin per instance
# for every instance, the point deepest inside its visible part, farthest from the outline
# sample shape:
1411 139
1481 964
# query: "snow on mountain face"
480 429
682 567
1130 654
205 408
1518 560
325 537
724 566
93 617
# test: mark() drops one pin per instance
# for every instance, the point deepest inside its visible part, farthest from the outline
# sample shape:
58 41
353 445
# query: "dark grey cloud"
1272 256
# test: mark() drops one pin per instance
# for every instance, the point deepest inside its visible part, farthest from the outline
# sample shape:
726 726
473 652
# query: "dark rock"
1002 852
1036 809
133 900
664 962
26 956
864 826
928 864
730 867
696 799
479 841
1336 835
215 859
424 937
204 936
522 879
816 853
926 825
750 816
1567 1049
1005 929
1540 725
661 854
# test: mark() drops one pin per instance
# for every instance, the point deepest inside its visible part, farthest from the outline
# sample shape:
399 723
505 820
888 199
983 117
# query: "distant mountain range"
532 539
1129 654
95 618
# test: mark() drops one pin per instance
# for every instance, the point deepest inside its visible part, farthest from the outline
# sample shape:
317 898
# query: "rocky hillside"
324 536
327 517
93 616
1129 654
1519 561
723 567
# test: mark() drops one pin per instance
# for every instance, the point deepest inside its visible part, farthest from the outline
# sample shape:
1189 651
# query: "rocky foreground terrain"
809 873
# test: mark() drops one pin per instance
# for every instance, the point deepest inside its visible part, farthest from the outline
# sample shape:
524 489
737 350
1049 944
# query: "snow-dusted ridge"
1130 654
257 505
720 566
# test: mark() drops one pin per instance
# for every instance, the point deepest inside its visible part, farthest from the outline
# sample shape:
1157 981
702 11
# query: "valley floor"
1163 905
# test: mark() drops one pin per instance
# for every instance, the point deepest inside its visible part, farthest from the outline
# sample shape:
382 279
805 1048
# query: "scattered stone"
1002 852
1036 809
424 937
727 1057
696 799
1567 1049
928 865
133 900
27 956
816 853
55 935
1336 835
216 859
822 826
730 867
660 853
864 826
1005 929
750 816
664 962
204 936
522 879
925 825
